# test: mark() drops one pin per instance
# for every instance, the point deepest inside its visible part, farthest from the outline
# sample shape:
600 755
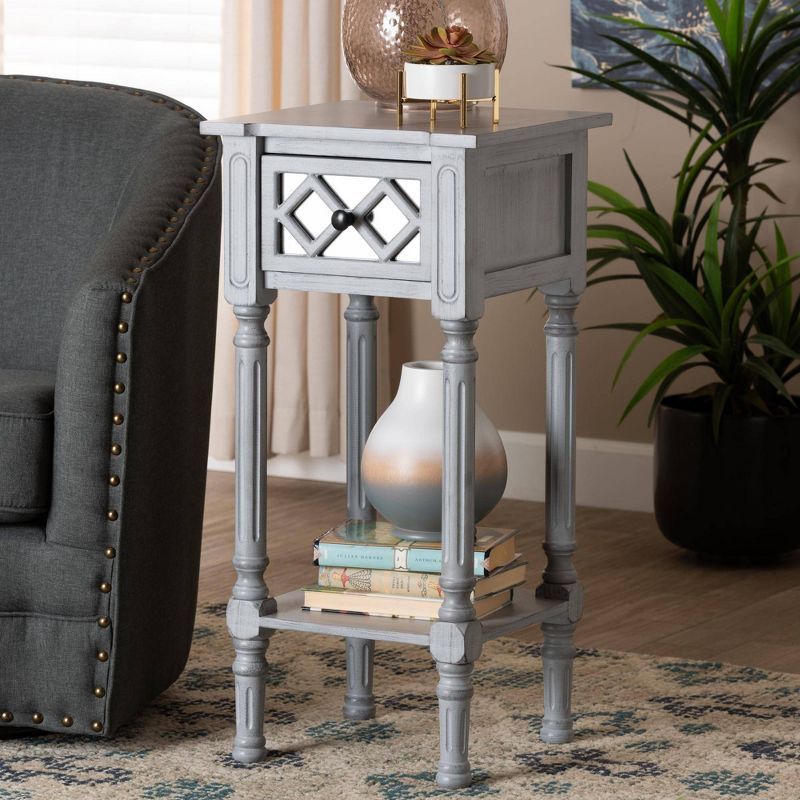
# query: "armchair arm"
134 368
84 403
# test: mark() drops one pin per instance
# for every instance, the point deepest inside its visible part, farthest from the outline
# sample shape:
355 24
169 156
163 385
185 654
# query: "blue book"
376 545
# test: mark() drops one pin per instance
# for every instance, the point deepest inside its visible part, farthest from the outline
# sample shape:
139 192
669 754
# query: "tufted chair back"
77 169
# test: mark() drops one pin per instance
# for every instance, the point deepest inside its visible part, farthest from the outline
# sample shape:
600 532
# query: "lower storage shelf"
525 610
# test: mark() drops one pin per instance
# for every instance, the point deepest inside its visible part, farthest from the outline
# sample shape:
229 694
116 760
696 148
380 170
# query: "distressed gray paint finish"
456 638
358 700
241 222
560 580
362 366
526 610
362 392
529 218
503 208
558 654
250 598
360 121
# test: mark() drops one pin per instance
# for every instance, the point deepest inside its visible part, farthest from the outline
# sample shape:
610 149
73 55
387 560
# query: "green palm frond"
727 298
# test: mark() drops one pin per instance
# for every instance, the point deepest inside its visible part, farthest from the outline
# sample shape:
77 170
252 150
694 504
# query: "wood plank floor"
642 594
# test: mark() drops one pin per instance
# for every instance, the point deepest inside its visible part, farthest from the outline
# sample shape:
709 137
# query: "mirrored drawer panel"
337 216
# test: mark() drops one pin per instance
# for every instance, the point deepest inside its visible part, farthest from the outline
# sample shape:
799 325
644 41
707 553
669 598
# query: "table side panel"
546 243
526 227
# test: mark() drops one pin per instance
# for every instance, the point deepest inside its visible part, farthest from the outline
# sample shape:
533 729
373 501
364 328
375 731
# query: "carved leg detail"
456 637
560 580
358 700
250 668
558 654
250 599
362 368
455 694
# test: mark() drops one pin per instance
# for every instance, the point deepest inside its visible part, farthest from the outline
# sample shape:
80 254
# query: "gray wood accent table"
336 198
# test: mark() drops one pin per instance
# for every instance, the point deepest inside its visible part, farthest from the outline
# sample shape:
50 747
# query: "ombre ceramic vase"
402 461
376 32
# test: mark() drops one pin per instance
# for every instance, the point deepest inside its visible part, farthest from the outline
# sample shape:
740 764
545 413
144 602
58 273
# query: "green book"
375 545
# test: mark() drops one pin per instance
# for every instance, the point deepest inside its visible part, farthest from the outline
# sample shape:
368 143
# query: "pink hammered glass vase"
375 33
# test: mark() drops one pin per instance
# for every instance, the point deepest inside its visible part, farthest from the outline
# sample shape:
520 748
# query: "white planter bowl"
443 81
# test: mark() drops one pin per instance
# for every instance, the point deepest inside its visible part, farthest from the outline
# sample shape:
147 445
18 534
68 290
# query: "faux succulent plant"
451 45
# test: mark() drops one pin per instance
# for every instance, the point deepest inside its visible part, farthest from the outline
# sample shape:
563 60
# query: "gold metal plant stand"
463 101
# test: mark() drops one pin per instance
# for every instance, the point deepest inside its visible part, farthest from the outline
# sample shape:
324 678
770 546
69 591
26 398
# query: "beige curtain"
279 54
2 34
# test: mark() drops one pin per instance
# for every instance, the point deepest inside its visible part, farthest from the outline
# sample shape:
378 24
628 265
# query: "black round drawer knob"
342 220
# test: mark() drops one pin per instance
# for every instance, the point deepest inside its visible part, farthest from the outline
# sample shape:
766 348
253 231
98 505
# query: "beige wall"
510 343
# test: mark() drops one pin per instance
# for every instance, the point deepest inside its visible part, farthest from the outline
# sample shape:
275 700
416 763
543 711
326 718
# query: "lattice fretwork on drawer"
381 208
384 244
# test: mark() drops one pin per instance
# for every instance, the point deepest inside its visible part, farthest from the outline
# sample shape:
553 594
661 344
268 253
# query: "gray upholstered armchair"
109 253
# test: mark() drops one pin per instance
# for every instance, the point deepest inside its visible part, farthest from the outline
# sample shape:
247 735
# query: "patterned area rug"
645 728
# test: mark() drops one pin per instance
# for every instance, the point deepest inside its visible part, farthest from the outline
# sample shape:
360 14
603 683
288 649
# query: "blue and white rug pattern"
645 728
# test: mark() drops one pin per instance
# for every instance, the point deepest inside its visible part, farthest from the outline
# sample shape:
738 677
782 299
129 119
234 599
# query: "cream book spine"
381 581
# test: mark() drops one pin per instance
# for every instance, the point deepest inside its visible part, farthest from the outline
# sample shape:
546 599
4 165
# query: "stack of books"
365 568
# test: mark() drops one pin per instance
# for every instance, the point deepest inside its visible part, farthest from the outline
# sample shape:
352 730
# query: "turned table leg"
362 326
455 639
359 702
560 580
250 598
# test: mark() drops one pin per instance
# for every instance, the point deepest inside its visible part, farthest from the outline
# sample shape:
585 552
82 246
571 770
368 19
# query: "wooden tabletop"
361 120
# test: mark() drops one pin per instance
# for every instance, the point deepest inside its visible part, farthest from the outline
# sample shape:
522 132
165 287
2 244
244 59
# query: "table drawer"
389 200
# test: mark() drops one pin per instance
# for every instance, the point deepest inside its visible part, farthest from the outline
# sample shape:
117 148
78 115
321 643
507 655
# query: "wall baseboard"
611 474
300 466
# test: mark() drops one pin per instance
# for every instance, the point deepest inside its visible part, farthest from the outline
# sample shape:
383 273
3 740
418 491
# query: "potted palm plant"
727 454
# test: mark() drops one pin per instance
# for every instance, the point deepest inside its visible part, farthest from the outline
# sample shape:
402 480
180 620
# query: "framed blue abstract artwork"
590 24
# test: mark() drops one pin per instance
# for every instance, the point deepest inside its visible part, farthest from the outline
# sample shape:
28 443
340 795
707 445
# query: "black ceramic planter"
736 500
